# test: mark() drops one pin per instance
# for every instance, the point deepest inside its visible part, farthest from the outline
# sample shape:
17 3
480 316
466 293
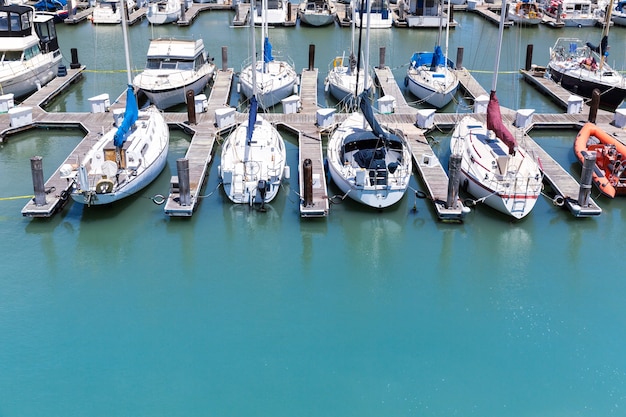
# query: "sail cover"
267 51
130 117
494 122
251 118
438 58
368 113
602 48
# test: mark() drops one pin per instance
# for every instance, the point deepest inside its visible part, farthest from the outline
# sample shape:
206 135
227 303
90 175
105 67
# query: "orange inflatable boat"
609 173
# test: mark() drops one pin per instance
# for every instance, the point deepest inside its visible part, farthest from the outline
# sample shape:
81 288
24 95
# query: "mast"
263 22
125 35
500 34
605 32
447 36
253 47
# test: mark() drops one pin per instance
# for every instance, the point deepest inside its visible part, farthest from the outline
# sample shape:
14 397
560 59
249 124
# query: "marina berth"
525 12
161 12
317 12
29 50
108 12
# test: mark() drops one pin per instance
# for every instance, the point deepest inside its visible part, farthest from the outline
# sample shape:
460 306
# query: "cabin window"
12 56
26 19
32 52
153 64
199 61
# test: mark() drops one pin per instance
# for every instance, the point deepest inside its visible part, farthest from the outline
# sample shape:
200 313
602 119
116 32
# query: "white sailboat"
369 164
380 16
126 158
27 60
430 76
109 11
253 156
274 79
344 82
317 12
173 67
494 167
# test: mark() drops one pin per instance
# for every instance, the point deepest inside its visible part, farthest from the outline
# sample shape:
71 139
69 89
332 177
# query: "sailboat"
344 82
253 155
430 76
317 12
161 12
581 68
369 164
126 158
495 169
275 80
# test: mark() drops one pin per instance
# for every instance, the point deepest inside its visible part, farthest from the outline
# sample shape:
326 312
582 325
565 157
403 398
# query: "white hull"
161 14
426 85
506 183
24 77
145 156
245 166
274 85
108 12
375 186
168 95
378 20
317 19
619 19
342 85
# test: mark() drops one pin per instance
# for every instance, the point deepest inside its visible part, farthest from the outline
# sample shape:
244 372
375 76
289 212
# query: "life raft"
609 173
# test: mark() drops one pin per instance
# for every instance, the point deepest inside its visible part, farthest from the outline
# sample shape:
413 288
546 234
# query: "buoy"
287 172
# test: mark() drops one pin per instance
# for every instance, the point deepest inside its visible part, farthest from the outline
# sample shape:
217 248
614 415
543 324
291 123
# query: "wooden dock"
469 84
200 151
431 171
488 12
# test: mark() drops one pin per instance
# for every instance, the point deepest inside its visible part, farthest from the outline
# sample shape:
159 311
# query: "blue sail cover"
368 113
267 51
130 117
438 58
251 118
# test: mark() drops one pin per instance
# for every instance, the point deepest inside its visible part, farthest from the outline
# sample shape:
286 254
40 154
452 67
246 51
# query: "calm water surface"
122 311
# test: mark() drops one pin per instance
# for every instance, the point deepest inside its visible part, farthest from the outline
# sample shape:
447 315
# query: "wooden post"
224 58
74 64
454 168
459 57
585 179
529 57
595 103
182 166
311 57
451 17
559 11
307 166
36 168
381 57
191 107
183 18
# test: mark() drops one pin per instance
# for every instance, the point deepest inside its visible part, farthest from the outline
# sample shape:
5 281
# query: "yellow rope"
19 197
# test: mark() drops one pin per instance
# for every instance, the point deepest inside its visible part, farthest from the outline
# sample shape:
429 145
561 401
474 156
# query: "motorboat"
126 158
253 160
29 50
162 12
581 67
275 79
174 67
317 12
610 156
572 13
381 15
525 13
108 12
431 76
271 12
370 164
495 168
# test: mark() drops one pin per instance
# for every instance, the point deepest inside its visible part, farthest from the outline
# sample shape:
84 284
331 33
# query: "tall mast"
125 36
494 82
253 43
605 31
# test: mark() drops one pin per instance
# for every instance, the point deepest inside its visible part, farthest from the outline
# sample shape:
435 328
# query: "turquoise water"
123 311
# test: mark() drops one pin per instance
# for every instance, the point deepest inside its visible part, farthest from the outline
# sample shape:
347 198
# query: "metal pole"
585 178
182 166
36 168
454 169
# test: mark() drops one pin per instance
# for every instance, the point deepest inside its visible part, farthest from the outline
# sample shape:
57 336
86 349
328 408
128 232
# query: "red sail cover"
494 122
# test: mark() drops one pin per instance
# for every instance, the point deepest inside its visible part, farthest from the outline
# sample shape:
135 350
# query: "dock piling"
595 103
459 57
224 58
585 179
191 107
183 18
529 57
307 168
311 57
454 169
381 57
36 168
74 64
182 166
